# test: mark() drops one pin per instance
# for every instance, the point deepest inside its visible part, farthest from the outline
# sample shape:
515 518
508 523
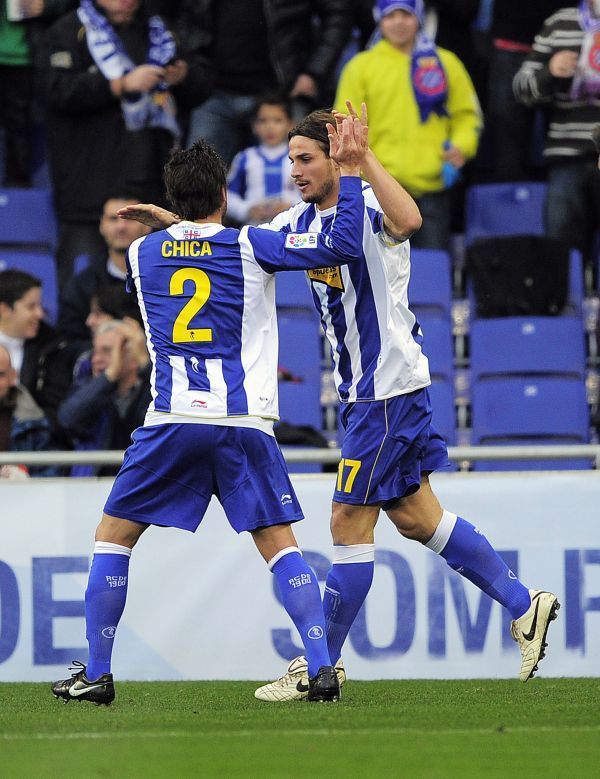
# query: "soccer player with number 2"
207 298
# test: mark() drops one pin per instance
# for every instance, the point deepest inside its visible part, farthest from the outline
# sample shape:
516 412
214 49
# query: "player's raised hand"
150 215
347 144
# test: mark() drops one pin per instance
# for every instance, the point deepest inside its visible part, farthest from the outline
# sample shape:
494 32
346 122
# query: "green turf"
500 728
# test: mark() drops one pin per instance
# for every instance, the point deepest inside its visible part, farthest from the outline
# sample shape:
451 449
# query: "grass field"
480 728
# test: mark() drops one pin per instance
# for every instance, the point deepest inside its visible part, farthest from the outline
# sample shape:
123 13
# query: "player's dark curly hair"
314 126
195 180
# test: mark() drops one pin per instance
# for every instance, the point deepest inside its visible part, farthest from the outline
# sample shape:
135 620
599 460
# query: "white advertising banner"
203 606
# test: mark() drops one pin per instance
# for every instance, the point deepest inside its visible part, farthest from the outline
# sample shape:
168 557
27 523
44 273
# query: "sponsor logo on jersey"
197 403
331 277
301 241
285 499
185 248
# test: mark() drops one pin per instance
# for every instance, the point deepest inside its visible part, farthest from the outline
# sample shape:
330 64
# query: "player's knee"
351 525
411 525
118 531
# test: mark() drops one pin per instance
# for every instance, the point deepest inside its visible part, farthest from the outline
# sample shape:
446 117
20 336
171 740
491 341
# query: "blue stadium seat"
527 345
27 217
430 285
504 209
443 418
521 410
292 291
438 347
300 355
40 264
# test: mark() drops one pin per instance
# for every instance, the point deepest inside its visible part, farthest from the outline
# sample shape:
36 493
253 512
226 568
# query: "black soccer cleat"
80 688
325 686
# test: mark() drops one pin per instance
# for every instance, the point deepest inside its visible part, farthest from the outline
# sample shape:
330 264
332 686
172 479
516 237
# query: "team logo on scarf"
429 77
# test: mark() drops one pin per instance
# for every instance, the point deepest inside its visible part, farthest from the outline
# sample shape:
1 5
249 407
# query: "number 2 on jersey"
354 465
182 333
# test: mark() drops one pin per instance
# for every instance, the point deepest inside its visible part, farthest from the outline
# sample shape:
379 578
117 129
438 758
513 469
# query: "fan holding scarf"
423 111
112 78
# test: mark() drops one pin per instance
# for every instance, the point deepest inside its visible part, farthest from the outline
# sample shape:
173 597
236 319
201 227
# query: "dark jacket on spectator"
47 372
90 151
295 45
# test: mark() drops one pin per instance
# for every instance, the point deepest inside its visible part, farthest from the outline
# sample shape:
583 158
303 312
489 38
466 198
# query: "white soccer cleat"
293 685
529 631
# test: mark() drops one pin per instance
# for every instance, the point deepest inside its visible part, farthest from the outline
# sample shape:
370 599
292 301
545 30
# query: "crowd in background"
458 92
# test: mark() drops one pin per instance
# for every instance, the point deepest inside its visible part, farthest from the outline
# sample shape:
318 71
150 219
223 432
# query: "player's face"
119 233
22 320
271 125
400 29
119 11
7 374
314 173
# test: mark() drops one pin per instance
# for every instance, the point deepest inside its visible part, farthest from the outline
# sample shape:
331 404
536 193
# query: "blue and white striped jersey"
259 173
374 337
207 298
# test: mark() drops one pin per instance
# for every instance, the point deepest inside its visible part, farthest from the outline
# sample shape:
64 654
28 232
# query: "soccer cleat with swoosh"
80 688
293 685
529 631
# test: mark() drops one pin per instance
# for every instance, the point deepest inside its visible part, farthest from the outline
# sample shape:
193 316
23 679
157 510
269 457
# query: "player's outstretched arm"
401 214
150 215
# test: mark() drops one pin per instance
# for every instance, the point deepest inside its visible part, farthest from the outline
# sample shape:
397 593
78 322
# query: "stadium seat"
27 217
430 285
521 410
292 291
438 347
504 209
527 345
443 418
40 264
300 356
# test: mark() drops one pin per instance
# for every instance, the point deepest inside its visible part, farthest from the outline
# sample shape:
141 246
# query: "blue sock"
468 551
104 603
301 599
346 587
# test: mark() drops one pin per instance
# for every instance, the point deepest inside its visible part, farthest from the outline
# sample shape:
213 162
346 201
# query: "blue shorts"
171 471
387 445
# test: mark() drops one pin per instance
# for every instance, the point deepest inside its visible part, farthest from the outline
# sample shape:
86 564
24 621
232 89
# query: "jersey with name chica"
374 337
207 298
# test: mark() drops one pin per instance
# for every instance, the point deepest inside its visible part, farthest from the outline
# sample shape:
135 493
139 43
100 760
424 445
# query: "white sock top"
354 553
105 547
282 553
439 539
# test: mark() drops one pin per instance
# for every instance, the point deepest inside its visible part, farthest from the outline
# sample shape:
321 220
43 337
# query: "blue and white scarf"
150 109
586 81
430 85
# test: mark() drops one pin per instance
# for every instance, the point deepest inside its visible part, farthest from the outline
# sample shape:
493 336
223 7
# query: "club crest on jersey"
301 241
331 277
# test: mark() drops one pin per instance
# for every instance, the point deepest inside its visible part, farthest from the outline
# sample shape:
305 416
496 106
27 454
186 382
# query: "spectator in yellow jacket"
424 117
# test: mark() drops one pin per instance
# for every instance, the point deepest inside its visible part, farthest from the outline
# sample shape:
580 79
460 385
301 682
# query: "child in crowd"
259 185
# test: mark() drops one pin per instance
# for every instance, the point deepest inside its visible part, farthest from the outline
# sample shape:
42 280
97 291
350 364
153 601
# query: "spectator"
23 426
562 73
43 364
118 234
259 46
103 411
19 33
510 126
111 75
259 184
424 117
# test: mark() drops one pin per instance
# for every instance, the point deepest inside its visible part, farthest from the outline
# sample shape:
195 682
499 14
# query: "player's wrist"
350 170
